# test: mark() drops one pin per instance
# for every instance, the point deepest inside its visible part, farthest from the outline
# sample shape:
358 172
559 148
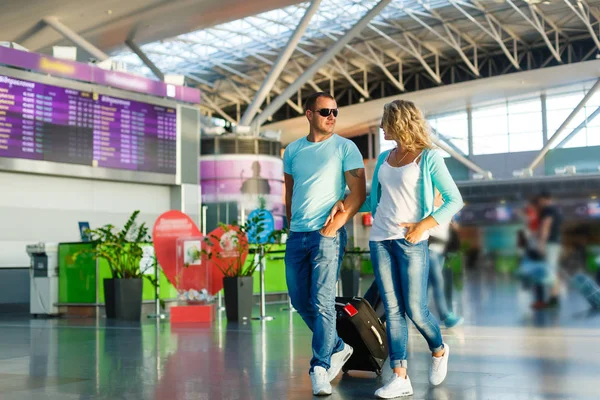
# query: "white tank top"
401 199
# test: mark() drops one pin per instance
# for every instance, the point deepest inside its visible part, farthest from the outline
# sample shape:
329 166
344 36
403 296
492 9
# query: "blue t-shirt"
318 172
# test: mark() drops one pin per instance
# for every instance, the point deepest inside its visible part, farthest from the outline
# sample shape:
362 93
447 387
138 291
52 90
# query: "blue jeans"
401 271
436 282
312 267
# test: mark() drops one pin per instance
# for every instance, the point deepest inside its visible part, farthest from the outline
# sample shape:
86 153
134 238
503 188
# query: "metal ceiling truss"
410 45
452 36
588 15
538 21
455 71
451 71
494 28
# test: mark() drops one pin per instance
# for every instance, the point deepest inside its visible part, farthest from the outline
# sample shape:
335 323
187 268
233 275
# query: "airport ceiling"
226 48
108 23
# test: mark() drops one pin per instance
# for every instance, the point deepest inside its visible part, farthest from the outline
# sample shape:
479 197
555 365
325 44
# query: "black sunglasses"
324 112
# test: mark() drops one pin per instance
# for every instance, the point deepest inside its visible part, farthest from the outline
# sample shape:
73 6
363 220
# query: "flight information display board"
45 122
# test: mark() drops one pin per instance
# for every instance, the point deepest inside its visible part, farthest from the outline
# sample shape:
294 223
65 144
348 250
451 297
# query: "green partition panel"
455 262
591 263
506 263
585 159
367 266
77 277
274 272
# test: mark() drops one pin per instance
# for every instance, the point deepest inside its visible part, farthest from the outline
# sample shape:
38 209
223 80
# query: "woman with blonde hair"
402 203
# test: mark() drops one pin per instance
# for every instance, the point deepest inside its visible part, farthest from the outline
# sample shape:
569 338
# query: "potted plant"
123 251
350 273
237 274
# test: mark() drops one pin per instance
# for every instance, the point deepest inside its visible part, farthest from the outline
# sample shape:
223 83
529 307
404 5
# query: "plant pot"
238 298
123 298
109 298
350 282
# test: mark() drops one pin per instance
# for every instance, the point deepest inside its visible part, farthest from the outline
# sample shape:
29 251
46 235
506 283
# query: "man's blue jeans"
401 271
312 267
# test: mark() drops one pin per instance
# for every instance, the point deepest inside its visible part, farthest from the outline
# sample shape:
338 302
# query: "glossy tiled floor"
504 351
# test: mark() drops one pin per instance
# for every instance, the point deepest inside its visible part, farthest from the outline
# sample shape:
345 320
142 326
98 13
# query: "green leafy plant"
352 261
122 250
239 235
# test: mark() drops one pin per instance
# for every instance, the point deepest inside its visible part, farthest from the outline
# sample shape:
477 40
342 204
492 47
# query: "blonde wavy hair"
405 123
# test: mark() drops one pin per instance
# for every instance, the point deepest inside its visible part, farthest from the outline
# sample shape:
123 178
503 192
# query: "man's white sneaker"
338 360
396 387
439 367
320 383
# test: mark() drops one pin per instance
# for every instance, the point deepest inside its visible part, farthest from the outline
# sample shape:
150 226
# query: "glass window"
525 141
525 125
490 144
453 127
525 106
526 122
525 116
559 108
593 134
594 101
385 144
564 101
596 120
490 130
557 117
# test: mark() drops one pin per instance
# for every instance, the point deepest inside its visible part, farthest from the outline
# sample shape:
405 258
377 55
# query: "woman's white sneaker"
439 367
396 387
320 382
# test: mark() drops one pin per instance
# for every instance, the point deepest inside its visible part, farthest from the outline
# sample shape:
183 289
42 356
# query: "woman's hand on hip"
414 231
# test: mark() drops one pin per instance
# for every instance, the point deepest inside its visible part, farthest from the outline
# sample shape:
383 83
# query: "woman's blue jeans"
402 271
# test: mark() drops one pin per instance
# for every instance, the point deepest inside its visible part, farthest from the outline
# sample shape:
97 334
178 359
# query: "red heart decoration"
229 247
173 225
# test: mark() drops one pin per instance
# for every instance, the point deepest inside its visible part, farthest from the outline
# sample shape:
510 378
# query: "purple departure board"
45 122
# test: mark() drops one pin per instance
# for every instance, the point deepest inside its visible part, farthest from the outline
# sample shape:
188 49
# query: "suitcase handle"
377 335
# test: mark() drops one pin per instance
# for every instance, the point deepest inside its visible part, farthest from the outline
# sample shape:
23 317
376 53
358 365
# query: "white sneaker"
320 382
338 360
396 387
439 367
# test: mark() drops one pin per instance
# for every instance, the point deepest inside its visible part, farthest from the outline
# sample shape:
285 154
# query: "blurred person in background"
439 241
532 266
548 243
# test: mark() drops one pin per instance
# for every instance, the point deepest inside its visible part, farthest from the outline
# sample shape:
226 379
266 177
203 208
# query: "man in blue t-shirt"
316 169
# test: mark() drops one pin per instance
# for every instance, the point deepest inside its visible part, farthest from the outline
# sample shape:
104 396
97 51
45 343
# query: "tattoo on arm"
355 172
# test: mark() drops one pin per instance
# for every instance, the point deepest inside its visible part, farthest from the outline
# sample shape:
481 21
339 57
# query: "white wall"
37 208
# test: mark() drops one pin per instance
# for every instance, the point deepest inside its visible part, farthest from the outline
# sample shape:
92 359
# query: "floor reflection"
504 350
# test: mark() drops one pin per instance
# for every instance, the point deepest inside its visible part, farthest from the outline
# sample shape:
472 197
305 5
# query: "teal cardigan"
435 175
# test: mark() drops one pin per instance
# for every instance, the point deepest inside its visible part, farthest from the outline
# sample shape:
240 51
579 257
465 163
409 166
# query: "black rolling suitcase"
359 327
374 299
589 289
